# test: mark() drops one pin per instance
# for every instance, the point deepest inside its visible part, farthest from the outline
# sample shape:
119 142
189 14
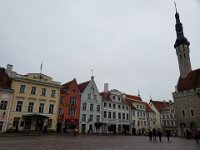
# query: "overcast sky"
129 44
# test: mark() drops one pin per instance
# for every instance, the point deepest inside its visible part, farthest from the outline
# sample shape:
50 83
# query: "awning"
34 115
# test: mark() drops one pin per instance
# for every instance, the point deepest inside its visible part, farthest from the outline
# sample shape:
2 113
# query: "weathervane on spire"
92 72
41 68
175 6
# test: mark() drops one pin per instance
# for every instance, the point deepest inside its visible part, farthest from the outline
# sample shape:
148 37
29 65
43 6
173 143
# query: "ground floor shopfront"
31 122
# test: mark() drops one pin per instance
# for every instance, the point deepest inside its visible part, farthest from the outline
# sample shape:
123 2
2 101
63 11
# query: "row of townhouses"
29 102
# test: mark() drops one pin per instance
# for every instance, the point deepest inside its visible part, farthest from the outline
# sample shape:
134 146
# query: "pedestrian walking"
196 137
154 134
168 134
150 135
160 135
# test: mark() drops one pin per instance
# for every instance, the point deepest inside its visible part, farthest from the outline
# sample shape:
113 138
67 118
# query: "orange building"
69 106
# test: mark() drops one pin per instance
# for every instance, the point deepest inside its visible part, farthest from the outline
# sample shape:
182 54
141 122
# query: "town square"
99 75
93 142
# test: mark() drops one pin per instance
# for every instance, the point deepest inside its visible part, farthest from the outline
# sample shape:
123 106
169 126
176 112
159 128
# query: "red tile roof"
129 102
160 104
83 85
133 97
105 96
192 81
148 108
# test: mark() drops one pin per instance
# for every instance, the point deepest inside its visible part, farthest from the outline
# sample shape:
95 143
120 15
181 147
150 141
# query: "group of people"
154 133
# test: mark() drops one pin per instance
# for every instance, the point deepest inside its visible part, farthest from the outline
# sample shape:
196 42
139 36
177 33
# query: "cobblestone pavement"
93 142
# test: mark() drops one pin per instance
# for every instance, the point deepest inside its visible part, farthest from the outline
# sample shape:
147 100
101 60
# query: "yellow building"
35 102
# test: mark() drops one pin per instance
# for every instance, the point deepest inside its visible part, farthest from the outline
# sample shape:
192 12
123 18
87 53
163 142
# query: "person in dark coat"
160 135
168 134
150 135
154 134
196 137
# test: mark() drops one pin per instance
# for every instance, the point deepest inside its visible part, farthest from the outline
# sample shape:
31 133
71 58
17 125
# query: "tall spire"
182 48
179 31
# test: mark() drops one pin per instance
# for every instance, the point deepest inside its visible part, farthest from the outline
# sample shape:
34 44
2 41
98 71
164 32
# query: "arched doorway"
183 126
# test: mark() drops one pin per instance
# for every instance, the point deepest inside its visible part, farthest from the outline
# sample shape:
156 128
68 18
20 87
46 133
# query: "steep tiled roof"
148 108
160 104
133 97
192 81
83 85
129 102
66 85
105 96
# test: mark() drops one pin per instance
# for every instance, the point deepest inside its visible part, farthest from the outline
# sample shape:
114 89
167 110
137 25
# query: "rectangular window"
73 100
22 88
105 104
105 114
123 116
192 112
84 106
98 118
19 105
127 117
118 98
33 90
114 97
83 117
163 116
53 93
51 107
119 115
95 97
3 105
119 106
72 112
98 108
144 123
91 107
183 112
114 106
109 114
114 115
122 107
41 108
109 105
91 118
126 107
30 106
43 92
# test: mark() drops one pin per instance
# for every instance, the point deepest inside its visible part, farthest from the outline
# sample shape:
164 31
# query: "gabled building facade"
165 115
69 106
35 102
91 108
116 112
139 114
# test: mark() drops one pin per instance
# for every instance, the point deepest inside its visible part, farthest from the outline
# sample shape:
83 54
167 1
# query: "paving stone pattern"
93 142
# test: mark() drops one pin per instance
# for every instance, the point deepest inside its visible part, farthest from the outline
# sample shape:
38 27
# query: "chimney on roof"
9 69
105 87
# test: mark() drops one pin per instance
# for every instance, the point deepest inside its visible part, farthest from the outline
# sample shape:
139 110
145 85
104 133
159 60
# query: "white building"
139 114
116 112
91 108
